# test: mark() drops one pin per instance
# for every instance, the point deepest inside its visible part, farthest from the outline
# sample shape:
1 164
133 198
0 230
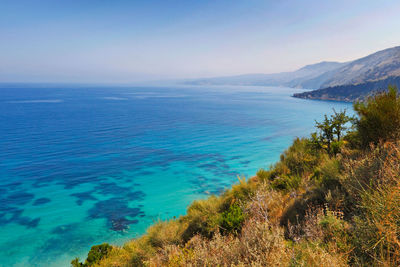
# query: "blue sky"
127 41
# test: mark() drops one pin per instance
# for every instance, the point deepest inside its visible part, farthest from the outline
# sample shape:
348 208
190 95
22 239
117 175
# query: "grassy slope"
310 209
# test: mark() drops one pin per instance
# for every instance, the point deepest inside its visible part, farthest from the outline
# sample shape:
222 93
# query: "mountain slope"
291 79
378 66
360 77
347 81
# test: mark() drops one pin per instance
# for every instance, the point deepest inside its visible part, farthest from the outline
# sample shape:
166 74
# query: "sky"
124 41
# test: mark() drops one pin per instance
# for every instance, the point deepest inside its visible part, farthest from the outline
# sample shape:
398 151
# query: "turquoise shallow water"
85 165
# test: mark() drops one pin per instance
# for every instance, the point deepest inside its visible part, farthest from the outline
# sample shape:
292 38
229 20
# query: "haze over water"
85 165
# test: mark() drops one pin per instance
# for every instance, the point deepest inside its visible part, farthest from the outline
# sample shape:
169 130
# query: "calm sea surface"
84 165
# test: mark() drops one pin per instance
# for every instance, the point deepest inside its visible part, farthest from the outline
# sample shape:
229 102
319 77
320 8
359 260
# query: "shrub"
133 253
264 175
328 174
165 233
241 191
202 218
379 117
296 210
75 263
232 219
352 139
266 205
95 255
286 183
300 157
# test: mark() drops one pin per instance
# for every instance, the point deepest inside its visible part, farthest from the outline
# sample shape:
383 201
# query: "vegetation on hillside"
333 199
350 92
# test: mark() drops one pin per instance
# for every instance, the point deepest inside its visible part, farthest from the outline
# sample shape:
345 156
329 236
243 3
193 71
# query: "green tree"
339 121
325 132
96 253
379 117
330 131
75 263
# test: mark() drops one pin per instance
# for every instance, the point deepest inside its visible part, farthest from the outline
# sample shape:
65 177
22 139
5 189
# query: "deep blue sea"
83 165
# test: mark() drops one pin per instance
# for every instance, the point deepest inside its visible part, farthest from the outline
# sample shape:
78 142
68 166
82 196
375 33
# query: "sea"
81 165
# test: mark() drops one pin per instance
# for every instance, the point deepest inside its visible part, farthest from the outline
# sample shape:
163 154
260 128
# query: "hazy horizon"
130 41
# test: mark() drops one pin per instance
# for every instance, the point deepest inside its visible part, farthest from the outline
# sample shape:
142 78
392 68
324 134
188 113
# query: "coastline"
302 211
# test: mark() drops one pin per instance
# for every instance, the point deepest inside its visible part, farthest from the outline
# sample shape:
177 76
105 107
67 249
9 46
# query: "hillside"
378 66
359 78
332 199
350 92
307 75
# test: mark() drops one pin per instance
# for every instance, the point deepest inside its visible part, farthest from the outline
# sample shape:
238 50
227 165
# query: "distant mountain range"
347 81
305 77
361 77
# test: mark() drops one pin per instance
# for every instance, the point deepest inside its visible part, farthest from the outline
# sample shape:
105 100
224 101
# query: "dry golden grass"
258 245
311 254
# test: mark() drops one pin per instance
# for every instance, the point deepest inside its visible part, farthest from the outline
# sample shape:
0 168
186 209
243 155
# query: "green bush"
379 117
300 157
75 263
286 183
232 219
96 253
264 175
329 174
202 218
241 191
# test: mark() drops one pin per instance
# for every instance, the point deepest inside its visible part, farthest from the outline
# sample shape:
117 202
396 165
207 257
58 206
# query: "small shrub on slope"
96 253
379 118
232 219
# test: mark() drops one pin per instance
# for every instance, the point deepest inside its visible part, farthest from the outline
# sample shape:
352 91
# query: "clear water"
81 166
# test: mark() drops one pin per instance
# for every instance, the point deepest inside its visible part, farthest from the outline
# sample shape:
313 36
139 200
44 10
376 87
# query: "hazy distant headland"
346 81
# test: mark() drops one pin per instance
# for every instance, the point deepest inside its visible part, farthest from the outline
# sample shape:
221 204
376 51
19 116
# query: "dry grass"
258 245
373 180
312 254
